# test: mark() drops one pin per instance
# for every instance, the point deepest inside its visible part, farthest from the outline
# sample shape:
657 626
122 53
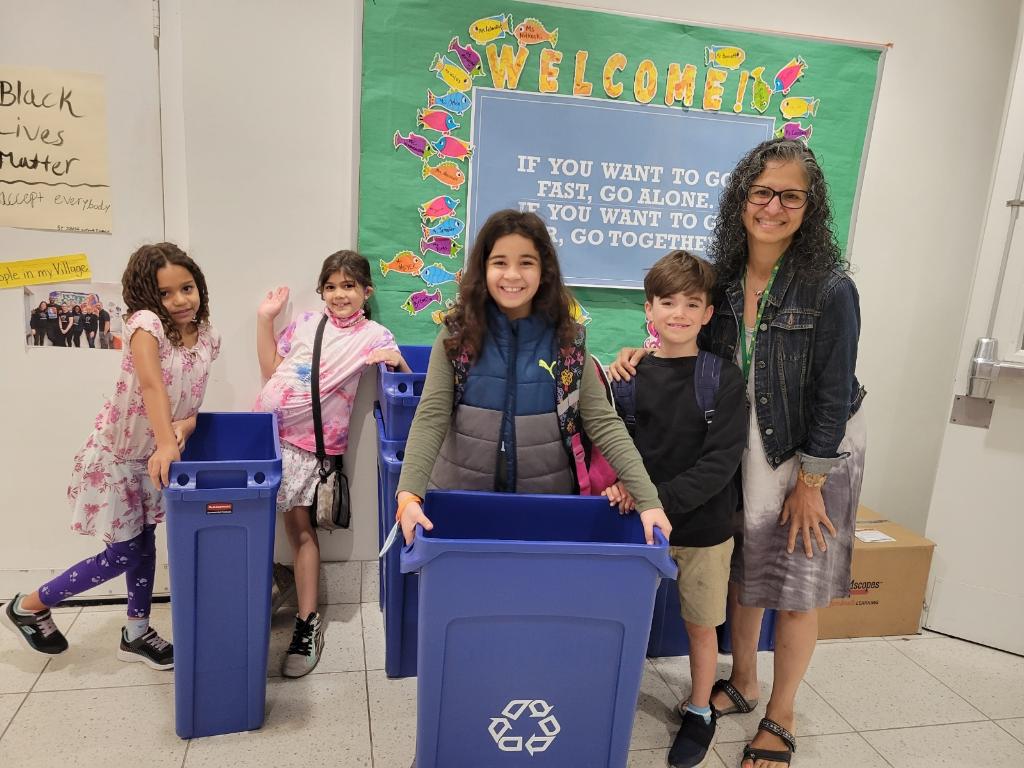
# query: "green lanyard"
747 346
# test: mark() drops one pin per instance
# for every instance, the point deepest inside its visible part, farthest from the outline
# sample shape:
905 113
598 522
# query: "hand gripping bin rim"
397 391
220 557
565 622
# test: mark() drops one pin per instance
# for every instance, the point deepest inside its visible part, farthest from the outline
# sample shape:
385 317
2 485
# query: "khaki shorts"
703 582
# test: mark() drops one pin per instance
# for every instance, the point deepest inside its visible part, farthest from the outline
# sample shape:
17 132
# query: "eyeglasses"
790 198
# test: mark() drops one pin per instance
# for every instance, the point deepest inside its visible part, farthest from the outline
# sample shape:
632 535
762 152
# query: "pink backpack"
593 472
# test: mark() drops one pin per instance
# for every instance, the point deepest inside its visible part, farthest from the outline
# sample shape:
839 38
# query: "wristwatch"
811 481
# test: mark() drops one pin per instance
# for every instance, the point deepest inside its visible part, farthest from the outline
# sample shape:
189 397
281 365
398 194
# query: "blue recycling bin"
668 632
398 591
399 393
220 543
534 613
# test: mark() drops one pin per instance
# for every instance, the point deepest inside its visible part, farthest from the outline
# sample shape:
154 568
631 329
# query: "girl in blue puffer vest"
507 386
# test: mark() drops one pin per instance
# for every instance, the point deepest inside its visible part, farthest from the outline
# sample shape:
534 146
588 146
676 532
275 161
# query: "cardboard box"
887 585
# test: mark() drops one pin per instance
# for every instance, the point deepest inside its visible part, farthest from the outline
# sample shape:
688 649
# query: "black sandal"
740 704
772 755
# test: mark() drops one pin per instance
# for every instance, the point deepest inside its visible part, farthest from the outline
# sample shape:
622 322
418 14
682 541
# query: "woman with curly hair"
787 311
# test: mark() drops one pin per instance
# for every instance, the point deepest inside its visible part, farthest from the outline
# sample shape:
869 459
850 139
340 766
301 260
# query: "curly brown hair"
140 289
814 249
467 322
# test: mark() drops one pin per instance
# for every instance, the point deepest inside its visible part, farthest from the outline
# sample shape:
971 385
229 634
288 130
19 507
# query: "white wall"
268 173
271 96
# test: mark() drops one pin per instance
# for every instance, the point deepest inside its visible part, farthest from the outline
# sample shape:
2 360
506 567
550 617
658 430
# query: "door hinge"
1015 203
156 20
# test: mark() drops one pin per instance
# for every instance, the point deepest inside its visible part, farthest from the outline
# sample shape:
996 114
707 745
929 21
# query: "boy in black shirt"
692 457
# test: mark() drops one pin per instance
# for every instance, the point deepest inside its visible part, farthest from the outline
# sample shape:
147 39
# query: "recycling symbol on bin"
540 711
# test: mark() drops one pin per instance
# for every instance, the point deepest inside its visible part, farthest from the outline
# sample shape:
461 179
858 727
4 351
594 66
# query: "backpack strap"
461 366
624 397
568 373
706 378
314 387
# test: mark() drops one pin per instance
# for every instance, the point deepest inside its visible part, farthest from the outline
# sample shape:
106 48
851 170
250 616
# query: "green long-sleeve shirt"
603 426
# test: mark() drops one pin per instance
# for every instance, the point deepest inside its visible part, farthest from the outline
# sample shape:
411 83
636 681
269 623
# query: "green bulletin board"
422 60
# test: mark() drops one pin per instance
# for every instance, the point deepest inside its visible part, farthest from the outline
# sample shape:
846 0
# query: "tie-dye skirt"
768 577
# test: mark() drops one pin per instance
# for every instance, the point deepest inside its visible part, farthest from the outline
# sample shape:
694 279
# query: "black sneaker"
306 648
37 630
151 649
693 742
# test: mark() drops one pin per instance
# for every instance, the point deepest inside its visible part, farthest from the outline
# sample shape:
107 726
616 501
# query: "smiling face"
343 295
773 225
513 275
178 294
677 319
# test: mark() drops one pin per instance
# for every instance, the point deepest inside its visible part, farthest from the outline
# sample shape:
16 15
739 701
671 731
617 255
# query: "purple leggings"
135 558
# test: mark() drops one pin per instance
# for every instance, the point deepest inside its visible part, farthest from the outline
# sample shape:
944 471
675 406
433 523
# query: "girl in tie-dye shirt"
351 342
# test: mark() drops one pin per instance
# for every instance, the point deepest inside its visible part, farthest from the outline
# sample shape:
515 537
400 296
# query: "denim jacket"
805 353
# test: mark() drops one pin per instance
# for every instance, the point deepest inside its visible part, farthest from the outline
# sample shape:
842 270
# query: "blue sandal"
772 755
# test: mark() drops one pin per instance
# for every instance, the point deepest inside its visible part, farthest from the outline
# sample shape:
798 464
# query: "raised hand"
275 301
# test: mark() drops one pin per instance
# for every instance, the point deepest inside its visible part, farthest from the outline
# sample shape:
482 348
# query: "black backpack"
706 376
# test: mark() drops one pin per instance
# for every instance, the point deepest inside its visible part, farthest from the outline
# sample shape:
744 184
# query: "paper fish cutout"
532 31
438 315
415 143
798 106
447 173
794 131
726 56
450 74
468 57
420 300
454 102
442 246
436 120
579 313
449 146
436 275
490 28
405 262
438 208
762 92
653 340
450 227
789 74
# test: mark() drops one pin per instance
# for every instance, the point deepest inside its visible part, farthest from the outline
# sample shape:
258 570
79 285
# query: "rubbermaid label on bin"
218 508
540 711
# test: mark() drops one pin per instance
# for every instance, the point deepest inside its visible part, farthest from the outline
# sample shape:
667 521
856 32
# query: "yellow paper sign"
53 269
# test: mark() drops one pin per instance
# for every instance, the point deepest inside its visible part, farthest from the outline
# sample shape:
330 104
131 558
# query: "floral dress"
110 492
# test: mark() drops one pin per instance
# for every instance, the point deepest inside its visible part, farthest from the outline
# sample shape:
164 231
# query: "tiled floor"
878 702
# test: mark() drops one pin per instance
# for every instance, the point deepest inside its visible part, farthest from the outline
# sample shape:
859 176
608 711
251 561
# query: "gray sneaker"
283 589
307 646
36 629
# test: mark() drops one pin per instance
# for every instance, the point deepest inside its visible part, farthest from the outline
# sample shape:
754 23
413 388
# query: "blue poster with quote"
619 184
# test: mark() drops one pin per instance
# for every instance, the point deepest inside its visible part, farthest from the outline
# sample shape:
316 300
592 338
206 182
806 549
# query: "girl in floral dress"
351 342
115 486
